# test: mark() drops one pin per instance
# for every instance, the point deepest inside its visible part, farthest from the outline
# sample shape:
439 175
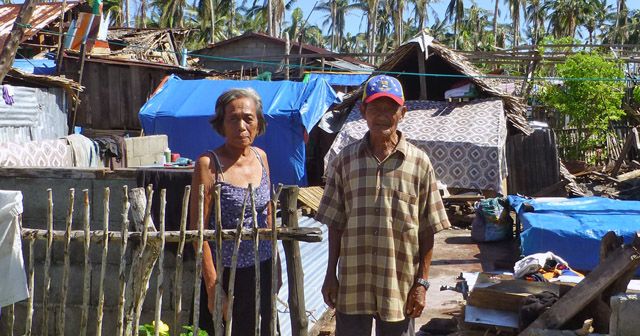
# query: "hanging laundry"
13 282
84 151
7 94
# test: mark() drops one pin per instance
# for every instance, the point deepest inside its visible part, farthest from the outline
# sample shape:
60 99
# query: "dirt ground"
454 253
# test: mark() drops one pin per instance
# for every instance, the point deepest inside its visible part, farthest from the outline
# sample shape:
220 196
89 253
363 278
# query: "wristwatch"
423 282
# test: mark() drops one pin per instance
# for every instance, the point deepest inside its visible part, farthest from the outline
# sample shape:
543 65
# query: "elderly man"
383 207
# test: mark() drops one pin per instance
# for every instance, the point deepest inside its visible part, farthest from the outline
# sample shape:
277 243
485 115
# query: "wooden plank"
305 234
217 316
275 261
66 173
65 272
606 273
629 176
310 196
299 321
421 69
629 143
508 294
47 265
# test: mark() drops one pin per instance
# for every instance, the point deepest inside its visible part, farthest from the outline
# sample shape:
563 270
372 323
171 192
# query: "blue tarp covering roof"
340 79
35 66
573 227
181 109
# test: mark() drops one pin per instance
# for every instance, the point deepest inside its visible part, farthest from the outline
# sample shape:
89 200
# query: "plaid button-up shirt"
384 209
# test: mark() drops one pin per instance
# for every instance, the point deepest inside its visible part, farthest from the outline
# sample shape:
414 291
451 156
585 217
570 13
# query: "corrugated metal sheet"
43 15
37 114
314 264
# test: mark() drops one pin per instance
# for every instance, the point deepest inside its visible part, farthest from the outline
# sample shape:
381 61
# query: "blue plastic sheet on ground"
181 109
573 227
35 66
341 79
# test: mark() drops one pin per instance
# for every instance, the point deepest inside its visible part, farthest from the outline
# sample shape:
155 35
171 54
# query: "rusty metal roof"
43 15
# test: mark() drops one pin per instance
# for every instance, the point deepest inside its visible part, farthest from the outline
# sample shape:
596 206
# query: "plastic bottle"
167 155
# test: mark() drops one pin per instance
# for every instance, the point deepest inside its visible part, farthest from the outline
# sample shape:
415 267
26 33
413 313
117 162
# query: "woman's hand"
211 304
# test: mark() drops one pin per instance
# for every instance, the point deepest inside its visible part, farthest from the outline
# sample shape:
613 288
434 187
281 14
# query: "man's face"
382 115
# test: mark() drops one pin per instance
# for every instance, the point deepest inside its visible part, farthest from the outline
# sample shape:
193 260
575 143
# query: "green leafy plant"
636 95
150 328
190 331
590 96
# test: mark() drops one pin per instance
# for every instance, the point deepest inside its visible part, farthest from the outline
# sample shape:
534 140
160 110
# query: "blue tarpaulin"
348 79
35 66
181 109
573 227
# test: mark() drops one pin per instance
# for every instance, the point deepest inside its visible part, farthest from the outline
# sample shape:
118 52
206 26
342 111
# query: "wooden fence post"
289 205
65 272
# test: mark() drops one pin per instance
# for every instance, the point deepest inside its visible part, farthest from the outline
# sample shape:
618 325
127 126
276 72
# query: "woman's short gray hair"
227 97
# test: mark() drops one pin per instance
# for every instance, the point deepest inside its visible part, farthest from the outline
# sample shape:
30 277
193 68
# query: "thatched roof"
443 63
19 77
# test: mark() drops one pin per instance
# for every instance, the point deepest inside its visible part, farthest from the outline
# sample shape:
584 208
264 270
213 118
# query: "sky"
355 24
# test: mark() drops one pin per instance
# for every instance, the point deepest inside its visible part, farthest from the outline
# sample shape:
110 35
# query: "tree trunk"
334 15
495 24
8 52
143 15
270 18
232 17
212 38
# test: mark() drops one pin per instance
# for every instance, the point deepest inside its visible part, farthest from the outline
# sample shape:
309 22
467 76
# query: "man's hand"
416 301
330 290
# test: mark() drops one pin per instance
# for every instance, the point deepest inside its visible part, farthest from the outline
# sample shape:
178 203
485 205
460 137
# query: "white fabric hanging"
13 282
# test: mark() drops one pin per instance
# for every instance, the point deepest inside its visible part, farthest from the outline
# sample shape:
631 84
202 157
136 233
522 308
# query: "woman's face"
240 122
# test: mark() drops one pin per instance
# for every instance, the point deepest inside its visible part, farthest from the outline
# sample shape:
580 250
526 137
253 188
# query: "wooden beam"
421 69
630 142
10 47
617 264
299 321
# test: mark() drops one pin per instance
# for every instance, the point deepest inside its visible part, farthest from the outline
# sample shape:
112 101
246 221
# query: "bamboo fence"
148 254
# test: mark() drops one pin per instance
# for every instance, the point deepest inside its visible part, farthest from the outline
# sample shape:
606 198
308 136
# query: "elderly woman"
234 165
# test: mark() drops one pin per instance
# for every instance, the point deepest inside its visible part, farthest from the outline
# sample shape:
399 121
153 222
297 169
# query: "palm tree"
420 12
337 11
474 28
496 13
370 7
535 15
455 14
514 10
398 21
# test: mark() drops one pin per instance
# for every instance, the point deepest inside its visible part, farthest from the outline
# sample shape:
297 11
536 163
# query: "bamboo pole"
103 265
123 260
160 280
47 265
141 285
29 319
180 260
234 267
274 261
198 273
304 234
256 258
87 266
65 272
217 316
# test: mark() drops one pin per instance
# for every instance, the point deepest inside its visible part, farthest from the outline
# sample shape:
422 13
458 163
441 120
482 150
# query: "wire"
309 67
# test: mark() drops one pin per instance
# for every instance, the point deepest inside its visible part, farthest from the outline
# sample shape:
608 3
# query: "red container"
175 157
